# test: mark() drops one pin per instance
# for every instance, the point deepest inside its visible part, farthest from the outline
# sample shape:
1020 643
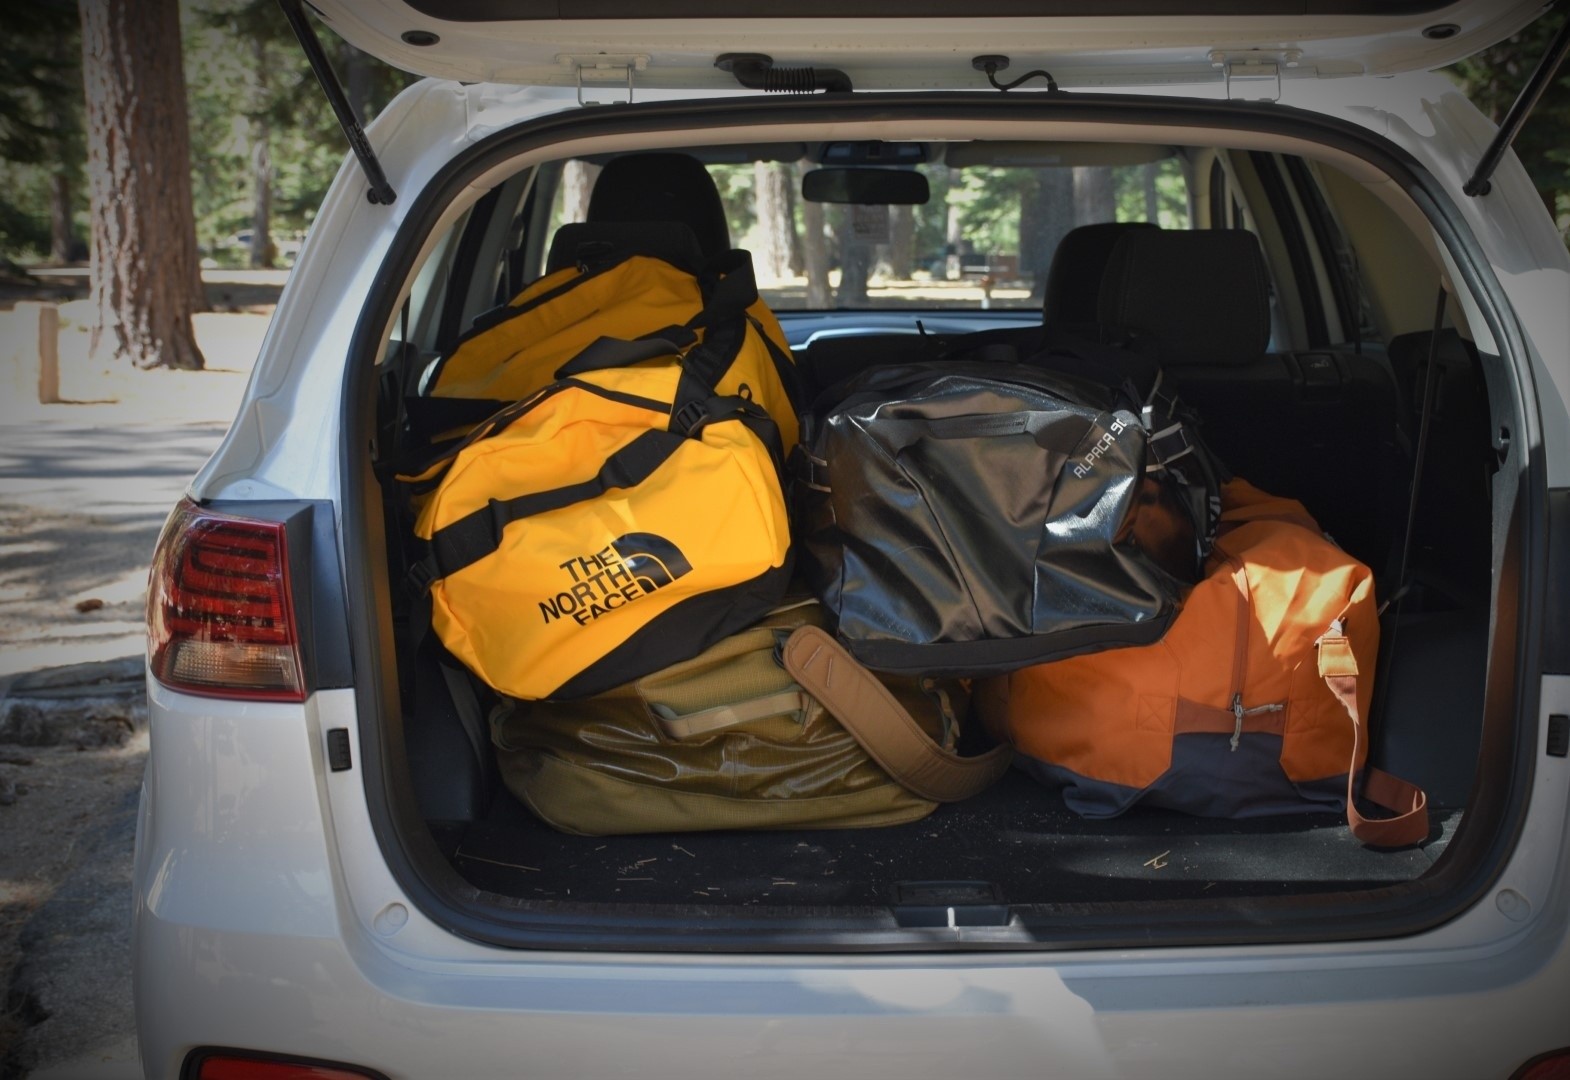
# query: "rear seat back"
1322 427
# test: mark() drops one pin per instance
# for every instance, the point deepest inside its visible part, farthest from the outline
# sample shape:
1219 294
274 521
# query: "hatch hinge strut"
1254 75
1516 117
381 191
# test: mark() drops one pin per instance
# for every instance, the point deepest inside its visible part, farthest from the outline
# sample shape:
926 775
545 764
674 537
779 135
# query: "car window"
984 238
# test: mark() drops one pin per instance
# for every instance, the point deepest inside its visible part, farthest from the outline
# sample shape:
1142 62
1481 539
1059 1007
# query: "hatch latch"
1254 74
604 69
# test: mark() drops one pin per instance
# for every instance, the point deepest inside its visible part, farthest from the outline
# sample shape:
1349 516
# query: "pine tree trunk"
63 244
902 242
814 251
1094 200
145 279
771 187
953 231
577 180
798 257
855 262
62 229
357 81
1046 212
263 254
1152 196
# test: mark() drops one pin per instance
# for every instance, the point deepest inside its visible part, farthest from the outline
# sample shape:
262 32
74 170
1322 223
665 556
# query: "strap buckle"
690 418
422 575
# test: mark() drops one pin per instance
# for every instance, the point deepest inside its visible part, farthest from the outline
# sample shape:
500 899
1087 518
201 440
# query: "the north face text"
598 583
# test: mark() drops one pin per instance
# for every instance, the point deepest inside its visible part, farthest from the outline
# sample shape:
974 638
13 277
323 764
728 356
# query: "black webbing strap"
466 703
475 535
729 287
1425 415
610 352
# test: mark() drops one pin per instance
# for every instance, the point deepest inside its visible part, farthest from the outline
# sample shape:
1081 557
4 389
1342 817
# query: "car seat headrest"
1074 279
585 240
1203 296
662 187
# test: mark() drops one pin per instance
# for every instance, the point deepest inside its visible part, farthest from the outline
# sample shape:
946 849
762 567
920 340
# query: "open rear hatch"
920 44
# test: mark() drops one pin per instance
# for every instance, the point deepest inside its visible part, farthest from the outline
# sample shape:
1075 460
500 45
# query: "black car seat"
1079 263
661 187
1069 304
1322 426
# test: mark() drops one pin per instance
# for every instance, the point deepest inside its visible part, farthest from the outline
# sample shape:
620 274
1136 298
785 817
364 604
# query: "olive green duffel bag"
776 727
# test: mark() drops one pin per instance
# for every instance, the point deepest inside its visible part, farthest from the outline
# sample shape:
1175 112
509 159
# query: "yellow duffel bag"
776 727
602 529
619 291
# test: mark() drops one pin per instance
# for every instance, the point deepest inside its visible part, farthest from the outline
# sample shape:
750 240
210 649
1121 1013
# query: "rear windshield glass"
984 237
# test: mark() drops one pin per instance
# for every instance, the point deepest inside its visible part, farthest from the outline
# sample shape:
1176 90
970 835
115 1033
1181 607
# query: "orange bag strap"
1409 804
876 720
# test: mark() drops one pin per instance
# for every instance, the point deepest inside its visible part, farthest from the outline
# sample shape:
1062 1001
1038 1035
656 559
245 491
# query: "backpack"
1254 703
772 728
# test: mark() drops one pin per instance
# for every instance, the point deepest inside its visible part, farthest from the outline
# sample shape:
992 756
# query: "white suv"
329 875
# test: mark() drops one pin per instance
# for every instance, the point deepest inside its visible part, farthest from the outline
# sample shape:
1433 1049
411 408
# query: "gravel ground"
84 489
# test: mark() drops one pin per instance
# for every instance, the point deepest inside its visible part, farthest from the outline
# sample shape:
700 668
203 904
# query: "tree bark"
902 242
855 262
145 277
63 244
771 186
1152 196
263 254
1046 212
814 251
577 179
358 81
1094 198
62 229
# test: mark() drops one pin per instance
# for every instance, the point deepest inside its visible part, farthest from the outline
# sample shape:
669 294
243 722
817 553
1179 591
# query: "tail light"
1550 1066
225 1065
220 614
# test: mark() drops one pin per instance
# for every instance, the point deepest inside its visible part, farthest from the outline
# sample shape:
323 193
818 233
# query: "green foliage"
40 116
735 184
243 66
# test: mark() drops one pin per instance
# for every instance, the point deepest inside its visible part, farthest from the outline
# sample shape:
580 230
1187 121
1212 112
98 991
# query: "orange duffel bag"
1255 702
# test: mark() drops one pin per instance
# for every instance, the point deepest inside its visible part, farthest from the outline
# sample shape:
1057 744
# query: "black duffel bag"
967 518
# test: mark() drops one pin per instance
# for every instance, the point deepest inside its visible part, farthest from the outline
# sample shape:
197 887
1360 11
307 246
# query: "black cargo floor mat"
1017 836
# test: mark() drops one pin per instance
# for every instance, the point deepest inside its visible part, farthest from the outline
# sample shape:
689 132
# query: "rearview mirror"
866 187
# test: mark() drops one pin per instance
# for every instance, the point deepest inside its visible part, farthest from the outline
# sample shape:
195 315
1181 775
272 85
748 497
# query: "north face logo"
629 567
654 561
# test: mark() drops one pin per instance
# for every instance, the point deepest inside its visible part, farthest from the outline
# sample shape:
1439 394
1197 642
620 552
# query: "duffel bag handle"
610 352
1409 804
707 721
1051 431
876 720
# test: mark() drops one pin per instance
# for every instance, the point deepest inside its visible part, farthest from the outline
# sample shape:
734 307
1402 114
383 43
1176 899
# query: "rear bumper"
265 919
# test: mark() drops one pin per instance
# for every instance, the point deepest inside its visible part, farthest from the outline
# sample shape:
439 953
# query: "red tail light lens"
1552 1066
219 612
233 1067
